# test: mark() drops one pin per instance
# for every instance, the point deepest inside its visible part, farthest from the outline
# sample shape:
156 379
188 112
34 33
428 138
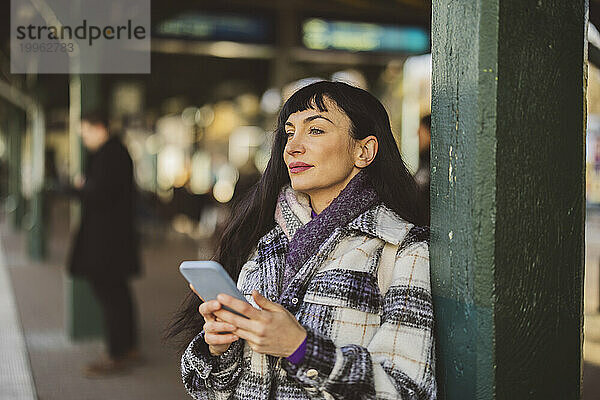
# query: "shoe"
133 358
105 367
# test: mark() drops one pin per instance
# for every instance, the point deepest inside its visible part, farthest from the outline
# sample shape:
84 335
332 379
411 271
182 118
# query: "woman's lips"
295 170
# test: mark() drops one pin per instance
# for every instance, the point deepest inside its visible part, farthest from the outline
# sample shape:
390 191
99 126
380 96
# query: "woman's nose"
294 145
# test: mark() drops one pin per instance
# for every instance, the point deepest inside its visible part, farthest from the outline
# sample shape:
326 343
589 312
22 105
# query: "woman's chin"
299 184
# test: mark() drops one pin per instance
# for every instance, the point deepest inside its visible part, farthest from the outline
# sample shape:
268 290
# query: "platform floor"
55 361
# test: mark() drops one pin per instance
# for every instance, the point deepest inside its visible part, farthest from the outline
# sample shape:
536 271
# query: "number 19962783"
46 47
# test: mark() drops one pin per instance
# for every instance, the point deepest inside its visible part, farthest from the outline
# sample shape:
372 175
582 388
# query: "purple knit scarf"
358 196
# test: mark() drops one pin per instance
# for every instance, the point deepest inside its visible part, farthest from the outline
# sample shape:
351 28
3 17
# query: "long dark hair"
253 216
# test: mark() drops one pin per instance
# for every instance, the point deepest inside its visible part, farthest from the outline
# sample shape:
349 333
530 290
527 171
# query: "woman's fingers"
236 320
215 338
216 327
265 303
218 333
249 336
208 308
240 306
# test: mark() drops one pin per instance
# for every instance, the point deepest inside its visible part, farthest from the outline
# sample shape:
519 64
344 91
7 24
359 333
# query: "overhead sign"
212 26
320 34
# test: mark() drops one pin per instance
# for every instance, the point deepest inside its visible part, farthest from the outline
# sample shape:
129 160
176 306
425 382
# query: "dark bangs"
359 105
308 97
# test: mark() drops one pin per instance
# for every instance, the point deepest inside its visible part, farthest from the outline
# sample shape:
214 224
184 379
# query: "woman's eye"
288 134
316 131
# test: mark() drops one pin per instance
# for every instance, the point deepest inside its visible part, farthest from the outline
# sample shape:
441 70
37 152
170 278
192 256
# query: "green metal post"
507 197
36 240
16 131
84 317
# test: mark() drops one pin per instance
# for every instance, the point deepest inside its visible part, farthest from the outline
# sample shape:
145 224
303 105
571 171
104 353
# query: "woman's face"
320 139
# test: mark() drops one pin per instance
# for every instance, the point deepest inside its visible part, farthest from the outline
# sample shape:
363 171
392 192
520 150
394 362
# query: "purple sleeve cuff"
298 356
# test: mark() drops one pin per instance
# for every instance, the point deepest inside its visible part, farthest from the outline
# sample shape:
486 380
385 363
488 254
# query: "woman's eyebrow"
311 118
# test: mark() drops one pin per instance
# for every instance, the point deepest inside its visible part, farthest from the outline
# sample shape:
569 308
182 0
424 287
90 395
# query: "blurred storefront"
199 127
593 138
593 120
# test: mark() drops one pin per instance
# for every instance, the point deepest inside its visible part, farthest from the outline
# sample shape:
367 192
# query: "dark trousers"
120 324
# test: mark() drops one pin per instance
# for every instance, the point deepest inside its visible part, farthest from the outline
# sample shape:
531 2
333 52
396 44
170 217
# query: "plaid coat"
364 298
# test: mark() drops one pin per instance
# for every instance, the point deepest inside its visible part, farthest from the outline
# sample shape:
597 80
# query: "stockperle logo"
80 36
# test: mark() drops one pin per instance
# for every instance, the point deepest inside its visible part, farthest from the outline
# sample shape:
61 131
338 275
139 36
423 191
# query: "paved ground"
55 361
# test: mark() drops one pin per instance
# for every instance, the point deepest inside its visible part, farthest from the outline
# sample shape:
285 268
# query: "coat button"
312 373
295 301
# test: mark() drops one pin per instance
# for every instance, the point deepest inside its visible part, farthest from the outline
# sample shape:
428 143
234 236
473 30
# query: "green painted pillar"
84 316
507 197
15 134
36 242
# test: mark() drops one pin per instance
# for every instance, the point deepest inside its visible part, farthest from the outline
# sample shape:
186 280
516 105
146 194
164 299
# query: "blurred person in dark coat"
422 176
105 252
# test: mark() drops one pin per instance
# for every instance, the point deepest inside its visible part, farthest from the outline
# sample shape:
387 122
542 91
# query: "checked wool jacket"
364 298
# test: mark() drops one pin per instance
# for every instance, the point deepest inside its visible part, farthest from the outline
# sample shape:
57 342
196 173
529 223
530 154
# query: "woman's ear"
366 150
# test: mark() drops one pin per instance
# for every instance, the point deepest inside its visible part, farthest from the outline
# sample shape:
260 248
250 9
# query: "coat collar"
287 250
379 221
293 211
382 222
306 238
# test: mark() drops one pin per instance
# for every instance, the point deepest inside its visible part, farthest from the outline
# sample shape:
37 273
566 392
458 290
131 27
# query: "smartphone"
209 278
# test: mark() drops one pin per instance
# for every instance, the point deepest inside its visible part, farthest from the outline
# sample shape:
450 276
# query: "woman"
327 249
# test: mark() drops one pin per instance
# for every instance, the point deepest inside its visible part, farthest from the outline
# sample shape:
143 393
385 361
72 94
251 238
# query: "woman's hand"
217 334
272 330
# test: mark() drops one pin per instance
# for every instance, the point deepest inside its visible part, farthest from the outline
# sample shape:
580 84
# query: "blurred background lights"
182 224
261 159
201 176
134 144
223 190
153 143
242 143
171 165
227 172
271 101
248 104
291 88
144 174
165 195
188 116
2 147
226 49
204 116
174 131
351 77
226 118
